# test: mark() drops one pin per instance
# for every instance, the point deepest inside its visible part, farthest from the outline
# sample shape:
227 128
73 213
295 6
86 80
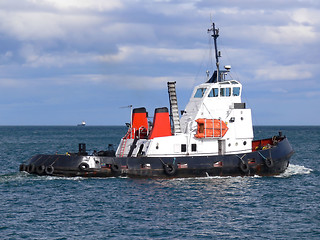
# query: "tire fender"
115 167
31 168
40 169
170 169
244 166
83 166
269 162
49 170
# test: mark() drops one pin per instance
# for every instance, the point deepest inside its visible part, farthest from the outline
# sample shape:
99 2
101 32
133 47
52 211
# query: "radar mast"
215 35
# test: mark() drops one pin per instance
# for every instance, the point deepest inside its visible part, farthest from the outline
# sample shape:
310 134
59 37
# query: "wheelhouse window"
225 92
200 92
222 92
214 92
228 92
236 91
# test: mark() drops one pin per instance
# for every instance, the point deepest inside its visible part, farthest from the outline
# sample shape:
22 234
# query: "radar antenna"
215 35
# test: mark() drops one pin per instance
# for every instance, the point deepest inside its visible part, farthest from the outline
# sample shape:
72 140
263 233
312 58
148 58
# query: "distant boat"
82 124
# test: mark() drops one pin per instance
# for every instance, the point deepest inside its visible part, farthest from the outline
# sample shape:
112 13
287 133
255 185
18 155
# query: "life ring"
84 166
22 167
31 168
269 162
40 169
49 170
115 167
244 166
169 169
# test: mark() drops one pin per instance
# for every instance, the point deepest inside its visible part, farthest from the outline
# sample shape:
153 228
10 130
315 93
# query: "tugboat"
213 137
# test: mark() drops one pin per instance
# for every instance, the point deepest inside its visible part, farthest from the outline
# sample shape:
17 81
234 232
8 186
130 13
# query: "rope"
162 161
262 156
207 110
174 161
242 157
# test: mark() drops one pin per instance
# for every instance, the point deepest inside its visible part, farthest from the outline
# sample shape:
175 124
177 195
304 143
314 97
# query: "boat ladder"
174 111
123 146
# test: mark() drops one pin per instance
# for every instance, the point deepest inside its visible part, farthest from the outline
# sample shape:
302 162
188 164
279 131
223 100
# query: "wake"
293 170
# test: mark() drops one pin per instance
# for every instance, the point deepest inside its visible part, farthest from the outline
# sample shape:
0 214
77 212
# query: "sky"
65 61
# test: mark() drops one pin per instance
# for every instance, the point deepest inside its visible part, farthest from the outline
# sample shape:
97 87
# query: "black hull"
268 162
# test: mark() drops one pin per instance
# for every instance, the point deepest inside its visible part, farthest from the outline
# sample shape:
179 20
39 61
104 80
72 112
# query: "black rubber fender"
40 169
22 167
49 170
170 169
31 168
83 166
269 162
115 167
244 166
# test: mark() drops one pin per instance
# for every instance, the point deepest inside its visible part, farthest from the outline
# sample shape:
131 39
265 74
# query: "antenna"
215 35
129 106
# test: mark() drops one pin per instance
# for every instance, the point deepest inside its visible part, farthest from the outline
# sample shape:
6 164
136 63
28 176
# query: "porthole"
245 143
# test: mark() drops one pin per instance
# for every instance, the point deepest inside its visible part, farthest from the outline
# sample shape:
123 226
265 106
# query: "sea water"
44 207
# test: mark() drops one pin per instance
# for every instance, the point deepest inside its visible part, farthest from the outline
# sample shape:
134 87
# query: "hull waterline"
268 162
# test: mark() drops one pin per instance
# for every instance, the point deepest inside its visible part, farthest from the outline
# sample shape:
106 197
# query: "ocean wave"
24 176
13 177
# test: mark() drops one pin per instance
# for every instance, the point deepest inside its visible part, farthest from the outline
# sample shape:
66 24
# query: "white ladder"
174 111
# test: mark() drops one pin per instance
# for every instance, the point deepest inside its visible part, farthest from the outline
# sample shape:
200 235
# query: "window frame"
214 91
198 93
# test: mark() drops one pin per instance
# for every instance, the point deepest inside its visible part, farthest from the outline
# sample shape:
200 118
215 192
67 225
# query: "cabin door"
221 147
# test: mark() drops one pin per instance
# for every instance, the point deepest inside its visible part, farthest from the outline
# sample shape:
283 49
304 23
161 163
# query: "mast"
215 35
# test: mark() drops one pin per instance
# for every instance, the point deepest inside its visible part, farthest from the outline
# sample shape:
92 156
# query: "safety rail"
134 133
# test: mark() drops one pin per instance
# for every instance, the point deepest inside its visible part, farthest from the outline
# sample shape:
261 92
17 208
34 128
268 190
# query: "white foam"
295 170
59 178
13 177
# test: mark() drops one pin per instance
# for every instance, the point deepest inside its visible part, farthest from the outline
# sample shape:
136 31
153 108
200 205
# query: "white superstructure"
214 122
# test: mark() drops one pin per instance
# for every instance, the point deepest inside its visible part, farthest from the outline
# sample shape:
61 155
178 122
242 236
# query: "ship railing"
139 133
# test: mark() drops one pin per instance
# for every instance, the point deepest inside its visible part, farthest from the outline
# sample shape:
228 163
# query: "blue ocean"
44 207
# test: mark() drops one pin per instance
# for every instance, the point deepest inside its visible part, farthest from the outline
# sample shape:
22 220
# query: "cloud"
132 53
6 56
307 16
170 8
11 83
36 58
276 72
99 5
134 45
290 34
40 26
313 94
